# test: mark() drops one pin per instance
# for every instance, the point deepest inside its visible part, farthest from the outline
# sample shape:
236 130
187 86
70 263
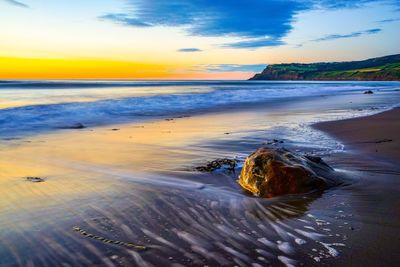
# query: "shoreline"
376 136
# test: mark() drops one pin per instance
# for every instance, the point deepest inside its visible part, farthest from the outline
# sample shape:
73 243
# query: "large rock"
272 172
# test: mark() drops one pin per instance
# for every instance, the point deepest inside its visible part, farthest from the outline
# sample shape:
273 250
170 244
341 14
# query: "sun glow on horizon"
31 68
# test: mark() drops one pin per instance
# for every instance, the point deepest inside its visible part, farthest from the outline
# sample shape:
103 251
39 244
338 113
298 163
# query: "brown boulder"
272 172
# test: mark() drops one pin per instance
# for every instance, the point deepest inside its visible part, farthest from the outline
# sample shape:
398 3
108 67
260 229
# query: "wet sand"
378 135
134 183
372 153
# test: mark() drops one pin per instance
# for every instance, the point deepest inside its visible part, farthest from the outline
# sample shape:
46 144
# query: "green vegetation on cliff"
375 69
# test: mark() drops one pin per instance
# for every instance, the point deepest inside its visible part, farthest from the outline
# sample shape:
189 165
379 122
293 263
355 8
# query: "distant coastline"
375 69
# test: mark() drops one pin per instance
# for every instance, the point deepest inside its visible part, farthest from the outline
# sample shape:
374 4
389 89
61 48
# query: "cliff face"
272 73
375 69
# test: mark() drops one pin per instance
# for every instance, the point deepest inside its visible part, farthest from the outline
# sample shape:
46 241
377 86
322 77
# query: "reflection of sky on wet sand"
80 162
134 147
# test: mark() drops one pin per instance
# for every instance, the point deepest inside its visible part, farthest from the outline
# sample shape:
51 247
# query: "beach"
123 190
373 152
375 136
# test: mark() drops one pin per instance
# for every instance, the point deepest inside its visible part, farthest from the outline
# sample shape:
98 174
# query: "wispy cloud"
349 35
388 20
340 4
189 50
332 37
255 43
223 68
235 67
17 3
124 19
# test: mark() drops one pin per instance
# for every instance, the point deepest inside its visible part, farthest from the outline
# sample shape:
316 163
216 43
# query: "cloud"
388 20
17 3
255 43
332 37
349 35
259 23
227 68
341 4
189 50
124 19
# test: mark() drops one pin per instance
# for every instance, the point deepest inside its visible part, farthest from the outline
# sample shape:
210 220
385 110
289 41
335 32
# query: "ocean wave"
45 109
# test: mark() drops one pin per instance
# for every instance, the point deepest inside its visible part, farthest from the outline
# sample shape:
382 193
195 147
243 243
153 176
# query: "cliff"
375 69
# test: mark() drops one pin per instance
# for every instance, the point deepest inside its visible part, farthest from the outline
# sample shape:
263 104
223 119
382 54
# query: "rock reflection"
282 208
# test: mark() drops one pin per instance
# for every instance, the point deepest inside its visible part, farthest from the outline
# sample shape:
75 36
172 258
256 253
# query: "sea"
34 107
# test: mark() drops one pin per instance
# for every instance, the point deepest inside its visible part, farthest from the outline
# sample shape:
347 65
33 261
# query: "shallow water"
129 176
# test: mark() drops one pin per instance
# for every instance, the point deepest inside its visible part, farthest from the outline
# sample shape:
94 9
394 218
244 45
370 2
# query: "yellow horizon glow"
78 68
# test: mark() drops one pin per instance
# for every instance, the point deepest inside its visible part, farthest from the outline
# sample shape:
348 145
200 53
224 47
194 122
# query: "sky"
187 39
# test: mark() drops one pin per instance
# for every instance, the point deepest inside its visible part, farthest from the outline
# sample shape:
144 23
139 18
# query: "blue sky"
230 36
